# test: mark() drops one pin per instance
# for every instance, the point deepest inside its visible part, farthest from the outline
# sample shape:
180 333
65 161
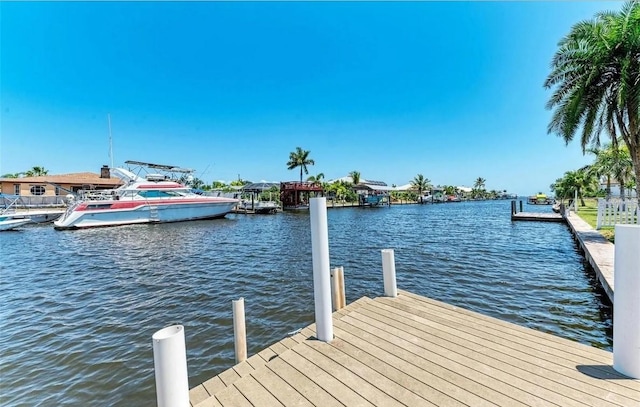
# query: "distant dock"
534 216
415 351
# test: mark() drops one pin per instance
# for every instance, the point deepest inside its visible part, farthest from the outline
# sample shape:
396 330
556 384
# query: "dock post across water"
411 350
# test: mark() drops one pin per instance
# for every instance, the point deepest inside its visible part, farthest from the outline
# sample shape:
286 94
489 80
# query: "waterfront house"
51 189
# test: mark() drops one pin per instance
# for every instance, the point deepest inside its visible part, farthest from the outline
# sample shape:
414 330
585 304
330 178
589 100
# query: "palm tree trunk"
301 174
635 156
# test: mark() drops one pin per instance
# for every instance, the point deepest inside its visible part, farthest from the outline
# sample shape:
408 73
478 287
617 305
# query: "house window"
16 189
38 190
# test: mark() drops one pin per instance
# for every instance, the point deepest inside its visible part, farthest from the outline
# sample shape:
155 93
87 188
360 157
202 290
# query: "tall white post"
321 269
170 362
626 301
575 201
239 330
389 273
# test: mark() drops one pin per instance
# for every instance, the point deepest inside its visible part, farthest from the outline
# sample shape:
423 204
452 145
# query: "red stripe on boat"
136 204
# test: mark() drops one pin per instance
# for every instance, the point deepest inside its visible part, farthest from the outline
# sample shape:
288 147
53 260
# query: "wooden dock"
598 251
535 216
540 217
415 351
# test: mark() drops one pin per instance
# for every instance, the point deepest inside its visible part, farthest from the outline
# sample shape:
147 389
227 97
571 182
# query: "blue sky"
450 90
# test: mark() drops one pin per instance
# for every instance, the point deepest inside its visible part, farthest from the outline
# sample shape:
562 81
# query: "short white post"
170 362
389 273
321 269
239 330
626 301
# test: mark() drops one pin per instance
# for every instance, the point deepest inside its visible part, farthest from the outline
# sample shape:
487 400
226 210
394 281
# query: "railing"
617 211
12 202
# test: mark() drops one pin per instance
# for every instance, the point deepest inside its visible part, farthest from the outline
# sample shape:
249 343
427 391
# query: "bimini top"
260 186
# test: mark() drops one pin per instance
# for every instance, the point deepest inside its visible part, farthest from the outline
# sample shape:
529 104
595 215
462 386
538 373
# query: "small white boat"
152 199
10 224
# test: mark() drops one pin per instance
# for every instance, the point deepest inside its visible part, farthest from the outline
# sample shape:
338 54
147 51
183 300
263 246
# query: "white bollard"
626 301
389 273
239 330
321 269
170 362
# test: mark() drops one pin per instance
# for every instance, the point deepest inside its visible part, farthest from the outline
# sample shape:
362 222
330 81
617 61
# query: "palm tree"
13 175
355 177
317 179
421 184
612 162
36 172
300 158
479 183
596 76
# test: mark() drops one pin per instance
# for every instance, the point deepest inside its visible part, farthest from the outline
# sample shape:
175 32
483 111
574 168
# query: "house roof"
362 181
84 178
260 186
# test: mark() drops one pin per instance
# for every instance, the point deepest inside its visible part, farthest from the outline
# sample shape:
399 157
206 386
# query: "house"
58 185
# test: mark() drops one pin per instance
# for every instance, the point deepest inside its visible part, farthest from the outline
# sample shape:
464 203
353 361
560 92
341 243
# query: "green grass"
589 213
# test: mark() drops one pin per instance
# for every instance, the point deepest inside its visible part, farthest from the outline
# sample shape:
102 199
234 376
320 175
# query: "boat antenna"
110 140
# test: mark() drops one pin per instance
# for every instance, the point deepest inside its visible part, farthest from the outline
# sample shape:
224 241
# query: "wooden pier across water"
415 351
535 216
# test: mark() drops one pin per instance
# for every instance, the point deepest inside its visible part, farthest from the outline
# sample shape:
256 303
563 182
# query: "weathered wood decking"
414 351
598 251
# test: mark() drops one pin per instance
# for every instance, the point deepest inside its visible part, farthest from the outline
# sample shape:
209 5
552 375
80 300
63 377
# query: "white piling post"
626 301
321 270
575 201
239 330
170 362
389 273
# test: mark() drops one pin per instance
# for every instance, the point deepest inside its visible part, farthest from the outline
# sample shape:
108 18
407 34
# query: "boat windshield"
160 194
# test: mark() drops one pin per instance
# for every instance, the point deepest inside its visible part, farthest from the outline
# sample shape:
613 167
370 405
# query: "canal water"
78 308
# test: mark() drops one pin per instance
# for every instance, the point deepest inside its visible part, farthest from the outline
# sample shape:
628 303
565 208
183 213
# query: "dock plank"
339 351
325 380
354 382
256 393
556 391
311 391
524 365
412 350
280 389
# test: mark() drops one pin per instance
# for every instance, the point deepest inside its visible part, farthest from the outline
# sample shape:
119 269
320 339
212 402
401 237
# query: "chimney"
104 172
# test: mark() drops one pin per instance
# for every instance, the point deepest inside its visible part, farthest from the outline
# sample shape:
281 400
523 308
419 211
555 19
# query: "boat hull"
145 213
10 224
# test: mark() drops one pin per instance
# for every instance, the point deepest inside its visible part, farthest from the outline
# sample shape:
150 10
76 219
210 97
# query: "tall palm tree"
355 177
36 172
300 158
596 76
479 183
421 184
